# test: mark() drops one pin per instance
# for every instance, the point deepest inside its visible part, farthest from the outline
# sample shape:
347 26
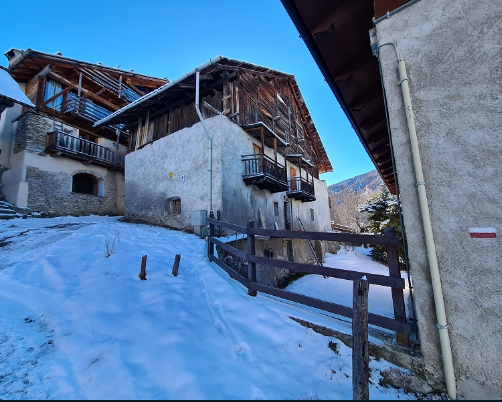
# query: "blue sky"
168 38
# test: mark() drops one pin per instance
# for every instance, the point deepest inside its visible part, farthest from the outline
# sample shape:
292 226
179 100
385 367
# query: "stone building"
421 83
51 158
232 138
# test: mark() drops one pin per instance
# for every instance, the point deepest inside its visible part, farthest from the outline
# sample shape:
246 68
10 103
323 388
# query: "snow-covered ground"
76 322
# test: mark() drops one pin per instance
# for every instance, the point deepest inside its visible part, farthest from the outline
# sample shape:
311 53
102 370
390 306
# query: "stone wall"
31 133
51 191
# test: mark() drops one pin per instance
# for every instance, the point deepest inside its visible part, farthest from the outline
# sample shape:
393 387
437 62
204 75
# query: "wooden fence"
398 324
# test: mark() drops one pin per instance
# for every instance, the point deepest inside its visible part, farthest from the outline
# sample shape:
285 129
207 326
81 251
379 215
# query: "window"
312 214
84 183
173 206
52 88
276 208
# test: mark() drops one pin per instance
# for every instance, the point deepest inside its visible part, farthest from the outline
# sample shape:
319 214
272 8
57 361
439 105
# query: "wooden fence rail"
398 324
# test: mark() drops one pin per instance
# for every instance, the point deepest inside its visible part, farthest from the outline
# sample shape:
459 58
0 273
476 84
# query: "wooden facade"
264 102
78 93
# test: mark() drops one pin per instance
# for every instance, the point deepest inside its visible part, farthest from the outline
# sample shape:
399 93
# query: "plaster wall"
177 166
174 166
453 54
7 135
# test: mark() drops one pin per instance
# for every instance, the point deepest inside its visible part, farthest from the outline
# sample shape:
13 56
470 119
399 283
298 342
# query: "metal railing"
83 149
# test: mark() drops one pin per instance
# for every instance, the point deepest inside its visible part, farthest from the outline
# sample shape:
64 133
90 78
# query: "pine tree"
383 212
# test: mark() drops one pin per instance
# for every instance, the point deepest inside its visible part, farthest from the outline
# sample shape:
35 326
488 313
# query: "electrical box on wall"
199 218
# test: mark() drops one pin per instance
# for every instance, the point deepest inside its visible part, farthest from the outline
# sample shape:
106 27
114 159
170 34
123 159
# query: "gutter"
210 206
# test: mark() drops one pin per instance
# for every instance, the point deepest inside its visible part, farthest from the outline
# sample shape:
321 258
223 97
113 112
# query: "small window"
173 206
312 214
276 208
84 183
52 88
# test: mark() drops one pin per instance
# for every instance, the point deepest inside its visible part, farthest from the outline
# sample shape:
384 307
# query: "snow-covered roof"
9 89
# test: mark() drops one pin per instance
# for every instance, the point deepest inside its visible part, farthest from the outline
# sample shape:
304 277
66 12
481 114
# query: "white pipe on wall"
429 237
210 204
442 325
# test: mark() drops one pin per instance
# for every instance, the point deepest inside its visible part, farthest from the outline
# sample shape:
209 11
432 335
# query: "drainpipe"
210 205
442 325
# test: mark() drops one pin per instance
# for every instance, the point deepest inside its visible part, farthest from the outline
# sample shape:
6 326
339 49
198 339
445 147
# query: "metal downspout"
442 325
210 205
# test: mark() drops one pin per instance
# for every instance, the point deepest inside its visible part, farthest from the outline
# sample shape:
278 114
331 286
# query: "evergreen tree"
383 212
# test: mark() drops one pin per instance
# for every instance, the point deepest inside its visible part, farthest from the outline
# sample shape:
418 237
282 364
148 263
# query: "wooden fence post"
142 273
397 294
360 347
176 264
251 265
210 245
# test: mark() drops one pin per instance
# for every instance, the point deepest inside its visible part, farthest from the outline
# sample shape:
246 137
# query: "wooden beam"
85 91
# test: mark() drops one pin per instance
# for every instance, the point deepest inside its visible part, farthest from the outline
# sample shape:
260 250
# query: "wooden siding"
247 99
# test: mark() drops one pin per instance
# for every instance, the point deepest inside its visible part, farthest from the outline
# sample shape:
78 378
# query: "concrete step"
6 210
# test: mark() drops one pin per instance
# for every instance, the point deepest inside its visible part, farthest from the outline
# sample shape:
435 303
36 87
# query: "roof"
182 89
174 88
24 64
10 91
336 32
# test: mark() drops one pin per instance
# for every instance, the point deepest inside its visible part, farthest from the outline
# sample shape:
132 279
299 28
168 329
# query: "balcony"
87 110
60 143
301 189
264 173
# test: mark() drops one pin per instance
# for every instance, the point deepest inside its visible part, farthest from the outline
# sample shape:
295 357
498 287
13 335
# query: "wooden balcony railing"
301 189
83 150
264 172
88 110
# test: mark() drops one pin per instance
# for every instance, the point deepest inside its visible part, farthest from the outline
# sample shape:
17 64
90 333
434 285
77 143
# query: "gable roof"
211 73
24 64
336 32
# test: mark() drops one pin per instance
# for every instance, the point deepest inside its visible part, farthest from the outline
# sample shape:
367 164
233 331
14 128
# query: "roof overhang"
336 32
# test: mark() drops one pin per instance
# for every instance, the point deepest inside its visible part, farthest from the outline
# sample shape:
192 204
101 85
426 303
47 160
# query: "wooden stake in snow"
360 347
176 264
142 273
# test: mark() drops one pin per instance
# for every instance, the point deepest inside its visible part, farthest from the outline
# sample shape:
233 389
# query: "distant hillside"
347 197
366 182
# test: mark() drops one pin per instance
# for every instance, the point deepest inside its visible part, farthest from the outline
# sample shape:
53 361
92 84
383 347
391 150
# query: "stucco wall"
174 166
177 166
7 134
453 54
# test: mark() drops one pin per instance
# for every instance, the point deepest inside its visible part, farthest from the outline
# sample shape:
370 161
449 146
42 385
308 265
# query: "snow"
76 321
10 89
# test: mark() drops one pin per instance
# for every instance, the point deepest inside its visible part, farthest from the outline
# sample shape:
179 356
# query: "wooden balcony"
301 189
264 173
84 109
60 143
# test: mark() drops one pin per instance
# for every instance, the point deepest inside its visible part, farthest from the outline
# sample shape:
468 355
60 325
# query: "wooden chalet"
265 103
78 94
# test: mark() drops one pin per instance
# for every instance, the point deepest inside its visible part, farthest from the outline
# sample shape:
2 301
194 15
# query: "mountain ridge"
366 182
